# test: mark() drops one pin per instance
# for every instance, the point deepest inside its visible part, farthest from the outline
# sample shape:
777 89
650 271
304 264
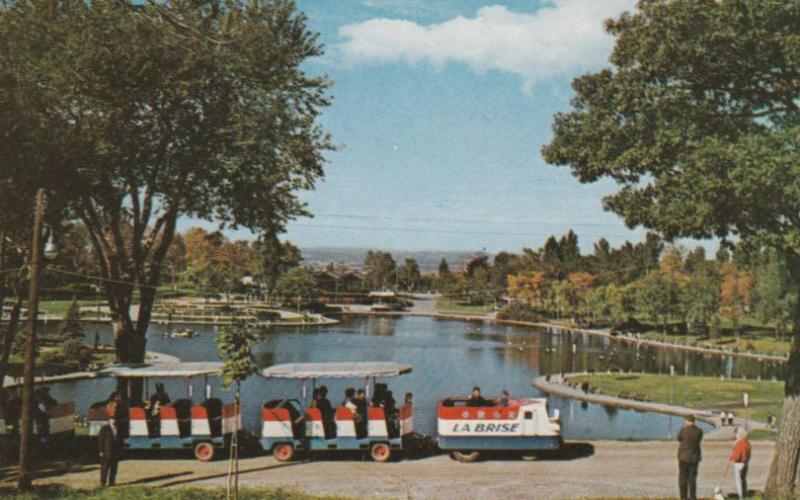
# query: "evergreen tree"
71 327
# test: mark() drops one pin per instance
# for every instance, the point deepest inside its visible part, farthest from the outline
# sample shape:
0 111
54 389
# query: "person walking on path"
689 457
740 458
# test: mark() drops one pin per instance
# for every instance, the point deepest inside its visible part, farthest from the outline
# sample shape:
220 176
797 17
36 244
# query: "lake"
449 358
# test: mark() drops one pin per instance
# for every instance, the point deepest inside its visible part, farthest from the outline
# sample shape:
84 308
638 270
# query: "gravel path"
599 469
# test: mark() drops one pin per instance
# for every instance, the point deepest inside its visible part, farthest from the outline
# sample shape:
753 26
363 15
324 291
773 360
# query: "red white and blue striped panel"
231 415
314 428
377 423
169 421
345 422
277 423
200 426
478 412
406 416
138 422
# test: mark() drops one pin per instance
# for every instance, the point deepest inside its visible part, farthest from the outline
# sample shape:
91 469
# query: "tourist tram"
519 425
59 422
184 424
289 426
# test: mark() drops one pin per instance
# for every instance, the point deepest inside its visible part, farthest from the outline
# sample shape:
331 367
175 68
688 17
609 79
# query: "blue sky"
440 109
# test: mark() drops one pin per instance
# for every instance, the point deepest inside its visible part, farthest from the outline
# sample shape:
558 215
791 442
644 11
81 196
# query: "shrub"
518 312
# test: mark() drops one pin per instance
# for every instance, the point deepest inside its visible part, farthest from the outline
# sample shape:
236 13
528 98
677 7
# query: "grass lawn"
59 307
748 342
142 492
706 393
455 307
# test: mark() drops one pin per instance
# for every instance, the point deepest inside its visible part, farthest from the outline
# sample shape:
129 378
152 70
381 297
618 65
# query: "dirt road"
597 469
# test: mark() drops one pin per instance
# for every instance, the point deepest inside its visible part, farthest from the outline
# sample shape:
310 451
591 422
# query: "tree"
235 345
702 295
697 121
165 109
275 258
529 288
380 269
299 282
409 274
735 297
71 327
773 292
444 269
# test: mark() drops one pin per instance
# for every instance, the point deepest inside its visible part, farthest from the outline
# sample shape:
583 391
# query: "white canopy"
190 369
356 369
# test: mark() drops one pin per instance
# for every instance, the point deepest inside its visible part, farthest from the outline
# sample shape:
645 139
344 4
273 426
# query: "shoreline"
562 390
570 329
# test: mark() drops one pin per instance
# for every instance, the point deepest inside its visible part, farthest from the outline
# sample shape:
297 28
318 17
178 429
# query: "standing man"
689 458
740 458
109 457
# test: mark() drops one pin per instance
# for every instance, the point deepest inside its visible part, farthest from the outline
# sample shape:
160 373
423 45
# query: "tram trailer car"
203 428
288 427
521 425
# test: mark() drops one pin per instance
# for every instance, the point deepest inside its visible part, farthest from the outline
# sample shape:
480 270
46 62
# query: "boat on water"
184 333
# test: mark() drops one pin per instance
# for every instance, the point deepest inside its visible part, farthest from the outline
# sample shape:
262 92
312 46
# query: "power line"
463 221
439 231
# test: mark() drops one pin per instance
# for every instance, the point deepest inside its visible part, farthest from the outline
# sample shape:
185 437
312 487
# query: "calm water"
449 357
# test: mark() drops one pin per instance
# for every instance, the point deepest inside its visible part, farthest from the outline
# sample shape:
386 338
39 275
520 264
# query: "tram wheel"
465 456
381 452
283 452
204 452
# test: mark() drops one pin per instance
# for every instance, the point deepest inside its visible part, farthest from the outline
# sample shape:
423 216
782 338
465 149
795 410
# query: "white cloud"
561 39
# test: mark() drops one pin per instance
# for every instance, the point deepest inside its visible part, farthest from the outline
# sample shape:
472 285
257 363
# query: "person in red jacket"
740 458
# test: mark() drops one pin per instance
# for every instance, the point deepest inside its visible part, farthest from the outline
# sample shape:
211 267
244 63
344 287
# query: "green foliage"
71 327
144 492
76 353
235 345
408 275
379 270
298 282
136 115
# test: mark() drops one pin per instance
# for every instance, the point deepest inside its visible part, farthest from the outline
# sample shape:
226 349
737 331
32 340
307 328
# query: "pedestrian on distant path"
740 458
109 456
689 457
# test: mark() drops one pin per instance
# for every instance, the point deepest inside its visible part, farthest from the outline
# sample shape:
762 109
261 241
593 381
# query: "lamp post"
24 479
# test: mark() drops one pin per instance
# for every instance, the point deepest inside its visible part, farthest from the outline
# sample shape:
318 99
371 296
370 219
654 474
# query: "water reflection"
449 357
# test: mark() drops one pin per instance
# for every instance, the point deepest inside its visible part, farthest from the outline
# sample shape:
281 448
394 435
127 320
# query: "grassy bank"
705 393
141 492
456 307
751 342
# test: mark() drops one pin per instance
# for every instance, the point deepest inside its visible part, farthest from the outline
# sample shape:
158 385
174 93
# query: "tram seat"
214 408
138 421
168 421
314 425
345 423
183 412
376 425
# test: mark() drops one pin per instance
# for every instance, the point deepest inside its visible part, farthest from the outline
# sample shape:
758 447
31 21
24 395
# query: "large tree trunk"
783 475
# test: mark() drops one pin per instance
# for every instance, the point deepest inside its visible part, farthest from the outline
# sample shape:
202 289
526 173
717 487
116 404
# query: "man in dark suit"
108 449
689 457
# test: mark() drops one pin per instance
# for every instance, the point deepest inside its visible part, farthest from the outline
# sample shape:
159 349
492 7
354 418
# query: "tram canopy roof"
336 370
190 369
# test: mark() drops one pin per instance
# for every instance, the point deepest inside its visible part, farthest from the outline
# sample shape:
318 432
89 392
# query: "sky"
440 109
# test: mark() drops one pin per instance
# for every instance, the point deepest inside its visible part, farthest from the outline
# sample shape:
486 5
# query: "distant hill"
428 260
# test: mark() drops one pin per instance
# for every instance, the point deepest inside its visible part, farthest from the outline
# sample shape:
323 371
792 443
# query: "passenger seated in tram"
328 415
505 397
349 400
475 399
13 409
383 398
361 414
42 402
152 409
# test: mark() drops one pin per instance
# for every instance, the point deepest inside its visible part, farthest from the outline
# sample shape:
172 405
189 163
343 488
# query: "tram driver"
475 399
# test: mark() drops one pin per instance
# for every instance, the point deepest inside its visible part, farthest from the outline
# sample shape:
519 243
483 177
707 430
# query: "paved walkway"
598 469
561 389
